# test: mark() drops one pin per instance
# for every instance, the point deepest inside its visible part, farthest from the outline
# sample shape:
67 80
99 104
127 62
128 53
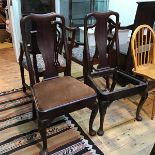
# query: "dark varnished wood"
103 24
33 49
109 94
46 40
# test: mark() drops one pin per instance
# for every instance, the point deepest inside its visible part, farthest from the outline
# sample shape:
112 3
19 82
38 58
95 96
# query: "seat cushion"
40 61
77 52
60 92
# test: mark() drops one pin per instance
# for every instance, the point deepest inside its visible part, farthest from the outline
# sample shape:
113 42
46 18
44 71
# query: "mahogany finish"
109 94
54 96
108 41
36 55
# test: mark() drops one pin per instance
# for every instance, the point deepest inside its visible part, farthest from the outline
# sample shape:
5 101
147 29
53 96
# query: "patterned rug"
19 133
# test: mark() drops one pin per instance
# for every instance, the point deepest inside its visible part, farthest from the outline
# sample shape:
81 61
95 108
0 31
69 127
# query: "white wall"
15 16
125 8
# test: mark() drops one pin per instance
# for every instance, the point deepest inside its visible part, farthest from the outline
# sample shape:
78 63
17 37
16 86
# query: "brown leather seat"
61 91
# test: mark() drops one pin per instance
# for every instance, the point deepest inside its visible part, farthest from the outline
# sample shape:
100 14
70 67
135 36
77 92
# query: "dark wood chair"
108 94
36 56
144 15
54 95
79 50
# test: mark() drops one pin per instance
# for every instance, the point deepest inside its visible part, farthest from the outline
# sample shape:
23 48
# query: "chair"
36 56
143 53
107 94
144 15
153 150
78 50
55 95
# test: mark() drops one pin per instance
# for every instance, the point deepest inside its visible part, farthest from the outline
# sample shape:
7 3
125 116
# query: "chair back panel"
49 40
101 28
143 46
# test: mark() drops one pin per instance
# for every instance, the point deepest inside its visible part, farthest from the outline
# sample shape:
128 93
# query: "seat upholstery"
77 53
40 61
55 91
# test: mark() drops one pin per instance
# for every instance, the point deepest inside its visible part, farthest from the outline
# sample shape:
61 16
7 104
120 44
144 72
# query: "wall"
14 16
126 9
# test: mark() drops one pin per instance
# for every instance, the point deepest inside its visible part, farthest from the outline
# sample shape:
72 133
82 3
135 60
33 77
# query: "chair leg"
107 82
140 105
34 115
102 109
153 107
42 131
91 120
22 78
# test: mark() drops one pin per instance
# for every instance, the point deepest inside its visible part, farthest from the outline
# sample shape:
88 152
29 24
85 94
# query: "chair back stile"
26 50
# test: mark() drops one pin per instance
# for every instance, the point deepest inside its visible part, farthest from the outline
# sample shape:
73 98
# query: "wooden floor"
123 134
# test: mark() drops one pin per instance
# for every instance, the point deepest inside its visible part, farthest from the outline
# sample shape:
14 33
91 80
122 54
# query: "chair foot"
103 105
45 152
139 118
100 132
92 132
140 105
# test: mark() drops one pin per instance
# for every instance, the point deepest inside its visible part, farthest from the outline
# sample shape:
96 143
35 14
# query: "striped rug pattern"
19 133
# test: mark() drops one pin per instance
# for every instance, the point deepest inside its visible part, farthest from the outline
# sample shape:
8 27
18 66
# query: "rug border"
85 135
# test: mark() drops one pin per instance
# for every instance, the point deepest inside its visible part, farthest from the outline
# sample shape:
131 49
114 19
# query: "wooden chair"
78 51
54 96
36 56
144 15
108 94
143 53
